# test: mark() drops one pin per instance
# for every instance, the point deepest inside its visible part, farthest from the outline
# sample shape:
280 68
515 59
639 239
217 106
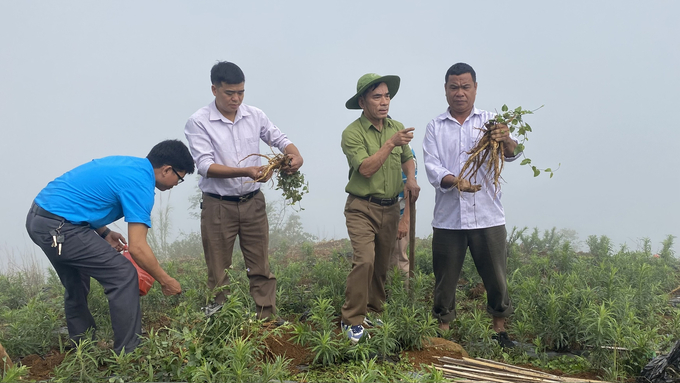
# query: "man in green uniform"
377 150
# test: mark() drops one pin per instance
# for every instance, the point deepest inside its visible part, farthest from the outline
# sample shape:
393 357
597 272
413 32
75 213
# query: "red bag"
145 279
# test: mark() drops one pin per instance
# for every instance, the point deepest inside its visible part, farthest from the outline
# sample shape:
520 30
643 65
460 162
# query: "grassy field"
606 309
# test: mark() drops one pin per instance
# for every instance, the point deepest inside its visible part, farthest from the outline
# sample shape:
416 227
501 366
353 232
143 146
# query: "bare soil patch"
40 367
434 348
282 346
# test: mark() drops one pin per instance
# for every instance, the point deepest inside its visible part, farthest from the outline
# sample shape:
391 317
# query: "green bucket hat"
369 79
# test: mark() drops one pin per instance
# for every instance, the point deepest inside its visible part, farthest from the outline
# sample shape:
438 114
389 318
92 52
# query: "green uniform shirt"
361 140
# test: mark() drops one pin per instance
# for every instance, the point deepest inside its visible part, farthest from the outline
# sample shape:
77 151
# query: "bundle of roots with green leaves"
491 153
293 186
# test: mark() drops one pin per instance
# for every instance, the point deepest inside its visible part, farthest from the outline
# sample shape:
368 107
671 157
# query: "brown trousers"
372 231
488 249
221 222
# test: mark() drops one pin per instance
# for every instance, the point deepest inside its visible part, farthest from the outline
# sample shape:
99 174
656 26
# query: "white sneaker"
211 309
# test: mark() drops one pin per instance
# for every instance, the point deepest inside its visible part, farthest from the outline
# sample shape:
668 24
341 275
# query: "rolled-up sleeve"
406 153
353 146
434 166
200 145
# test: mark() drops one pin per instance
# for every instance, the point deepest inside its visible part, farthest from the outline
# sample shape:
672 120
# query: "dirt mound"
282 346
433 348
41 367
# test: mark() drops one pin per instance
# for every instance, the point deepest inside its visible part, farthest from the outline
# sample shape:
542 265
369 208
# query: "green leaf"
521 131
551 174
512 129
525 161
518 109
548 170
519 148
504 108
536 171
527 127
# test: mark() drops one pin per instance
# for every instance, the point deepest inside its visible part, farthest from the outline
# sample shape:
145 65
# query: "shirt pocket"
395 156
246 146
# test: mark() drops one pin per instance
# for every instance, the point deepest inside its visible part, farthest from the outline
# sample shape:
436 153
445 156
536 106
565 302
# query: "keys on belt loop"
57 238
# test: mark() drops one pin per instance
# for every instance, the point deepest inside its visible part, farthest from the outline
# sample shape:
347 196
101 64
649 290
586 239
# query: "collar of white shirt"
215 114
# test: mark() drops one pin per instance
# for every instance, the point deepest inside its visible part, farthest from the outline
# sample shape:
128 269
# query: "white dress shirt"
445 148
213 139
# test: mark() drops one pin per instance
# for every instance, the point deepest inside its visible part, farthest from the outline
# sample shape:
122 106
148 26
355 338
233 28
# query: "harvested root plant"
293 185
490 152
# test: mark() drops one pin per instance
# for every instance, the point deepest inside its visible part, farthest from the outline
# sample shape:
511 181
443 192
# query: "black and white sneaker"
373 322
211 309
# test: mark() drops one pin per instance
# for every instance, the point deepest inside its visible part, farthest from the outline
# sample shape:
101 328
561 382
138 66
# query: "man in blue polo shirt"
68 221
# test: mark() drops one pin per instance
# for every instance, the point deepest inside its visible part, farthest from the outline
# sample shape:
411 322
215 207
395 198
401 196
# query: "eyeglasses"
180 179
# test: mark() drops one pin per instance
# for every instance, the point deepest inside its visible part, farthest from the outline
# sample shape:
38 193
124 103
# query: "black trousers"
85 254
488 249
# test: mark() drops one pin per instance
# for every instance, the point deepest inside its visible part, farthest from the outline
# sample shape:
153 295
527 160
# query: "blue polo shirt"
103 191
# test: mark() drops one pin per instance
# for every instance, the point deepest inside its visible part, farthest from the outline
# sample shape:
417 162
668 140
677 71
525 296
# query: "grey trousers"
85 254
488 249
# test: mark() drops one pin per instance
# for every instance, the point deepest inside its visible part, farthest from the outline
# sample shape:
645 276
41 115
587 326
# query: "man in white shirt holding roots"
221 135
465 214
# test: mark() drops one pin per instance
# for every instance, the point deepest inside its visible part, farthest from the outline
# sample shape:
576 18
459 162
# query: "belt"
234 198
379 201
37 210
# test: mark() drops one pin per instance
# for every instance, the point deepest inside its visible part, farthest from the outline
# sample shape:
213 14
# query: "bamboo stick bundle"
507 367
476 375
485 373
484 370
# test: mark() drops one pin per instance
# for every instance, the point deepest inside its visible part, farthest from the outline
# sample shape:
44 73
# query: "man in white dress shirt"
220 136
465 214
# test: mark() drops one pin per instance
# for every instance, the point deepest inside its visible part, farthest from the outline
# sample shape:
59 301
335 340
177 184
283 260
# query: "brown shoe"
444 326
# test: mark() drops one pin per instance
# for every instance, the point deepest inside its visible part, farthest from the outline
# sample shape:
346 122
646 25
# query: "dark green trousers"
488 248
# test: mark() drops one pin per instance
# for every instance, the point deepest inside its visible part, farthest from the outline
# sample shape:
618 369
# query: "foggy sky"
82 80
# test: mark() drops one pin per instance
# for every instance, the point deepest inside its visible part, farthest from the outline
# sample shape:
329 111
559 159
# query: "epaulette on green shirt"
361 140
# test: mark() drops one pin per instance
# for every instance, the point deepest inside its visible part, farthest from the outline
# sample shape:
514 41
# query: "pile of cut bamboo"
484 370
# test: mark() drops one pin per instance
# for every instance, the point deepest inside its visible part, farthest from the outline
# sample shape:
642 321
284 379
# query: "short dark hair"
173 153
459 69
226 72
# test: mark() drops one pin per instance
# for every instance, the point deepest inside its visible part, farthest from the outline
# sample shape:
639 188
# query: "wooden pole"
411 237
5 360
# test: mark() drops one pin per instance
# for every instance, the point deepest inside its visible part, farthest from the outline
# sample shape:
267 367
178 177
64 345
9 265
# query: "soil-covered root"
293 186
274 164
487 152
